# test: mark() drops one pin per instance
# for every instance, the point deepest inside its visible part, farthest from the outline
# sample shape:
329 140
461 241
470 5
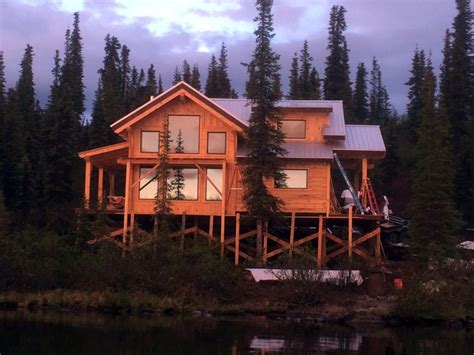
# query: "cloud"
166 32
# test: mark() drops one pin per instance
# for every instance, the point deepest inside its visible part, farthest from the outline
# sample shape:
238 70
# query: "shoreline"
363 311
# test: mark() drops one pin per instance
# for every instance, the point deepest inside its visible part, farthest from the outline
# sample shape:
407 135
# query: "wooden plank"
241 237
292 233
100 187
337 252
265 243
278 240
87 184
305 239
335 239
366 237
364 169
241 253
320 241
237 239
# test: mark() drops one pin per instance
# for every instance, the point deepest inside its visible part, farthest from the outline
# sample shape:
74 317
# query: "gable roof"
119 125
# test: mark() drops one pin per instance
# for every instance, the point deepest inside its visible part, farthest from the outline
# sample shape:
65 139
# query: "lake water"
60 333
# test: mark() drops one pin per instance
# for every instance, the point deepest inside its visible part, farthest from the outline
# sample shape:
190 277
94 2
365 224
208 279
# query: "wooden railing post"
87 184
320 241
111 184
211 228
100 187
128 172
237 239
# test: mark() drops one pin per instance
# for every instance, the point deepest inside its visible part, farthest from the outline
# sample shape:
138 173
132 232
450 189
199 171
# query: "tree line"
430 156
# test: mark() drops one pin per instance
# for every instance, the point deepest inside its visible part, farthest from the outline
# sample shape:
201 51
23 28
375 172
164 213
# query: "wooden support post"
364 170
237 238
211 228
223 204
100 187
183 227
132 228
128 177
292 234
320 241
87 184
349 233
111 184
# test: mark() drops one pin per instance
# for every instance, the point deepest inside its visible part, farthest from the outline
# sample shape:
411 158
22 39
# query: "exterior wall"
316 120
313 199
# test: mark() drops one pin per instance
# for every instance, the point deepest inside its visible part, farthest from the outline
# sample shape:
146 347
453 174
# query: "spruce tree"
98 128
2 120
360 104
223 81
30 141
160 84
186 72
337 85
414 93
59 141
212 83
434 217
151 85
125 71
306 89
5 222
458 84
264 135
196 78
176 76
294 93
315 82
177 183
379 105
162 224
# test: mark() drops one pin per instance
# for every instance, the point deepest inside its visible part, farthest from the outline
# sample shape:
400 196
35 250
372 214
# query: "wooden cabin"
212 153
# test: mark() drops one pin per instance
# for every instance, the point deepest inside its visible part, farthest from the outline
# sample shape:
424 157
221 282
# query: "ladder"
369 194
349 185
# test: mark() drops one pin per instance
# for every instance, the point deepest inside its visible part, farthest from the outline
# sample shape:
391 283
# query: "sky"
164 33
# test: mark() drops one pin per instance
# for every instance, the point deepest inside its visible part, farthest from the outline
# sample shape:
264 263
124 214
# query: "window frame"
207 182
294 188
295 120
197 185
140 180
199 132
225 142
141 141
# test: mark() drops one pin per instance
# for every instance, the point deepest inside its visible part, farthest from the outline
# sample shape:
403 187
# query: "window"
216 142
148 184
216 176
184 184
295 179
150 142
189 128
294 129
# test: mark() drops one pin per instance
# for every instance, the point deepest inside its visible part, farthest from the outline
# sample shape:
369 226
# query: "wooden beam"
237 238
223 204
349 233
111 184
265 244
148 173
183 228
320 241
292 233
128 178
241 237
211 228
87 184
100 187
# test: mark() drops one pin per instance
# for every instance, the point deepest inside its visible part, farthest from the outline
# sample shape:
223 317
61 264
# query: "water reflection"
59 333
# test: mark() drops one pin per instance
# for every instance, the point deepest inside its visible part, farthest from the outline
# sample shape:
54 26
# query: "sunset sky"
166 32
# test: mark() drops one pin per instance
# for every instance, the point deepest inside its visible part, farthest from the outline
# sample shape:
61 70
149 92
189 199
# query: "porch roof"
106 157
